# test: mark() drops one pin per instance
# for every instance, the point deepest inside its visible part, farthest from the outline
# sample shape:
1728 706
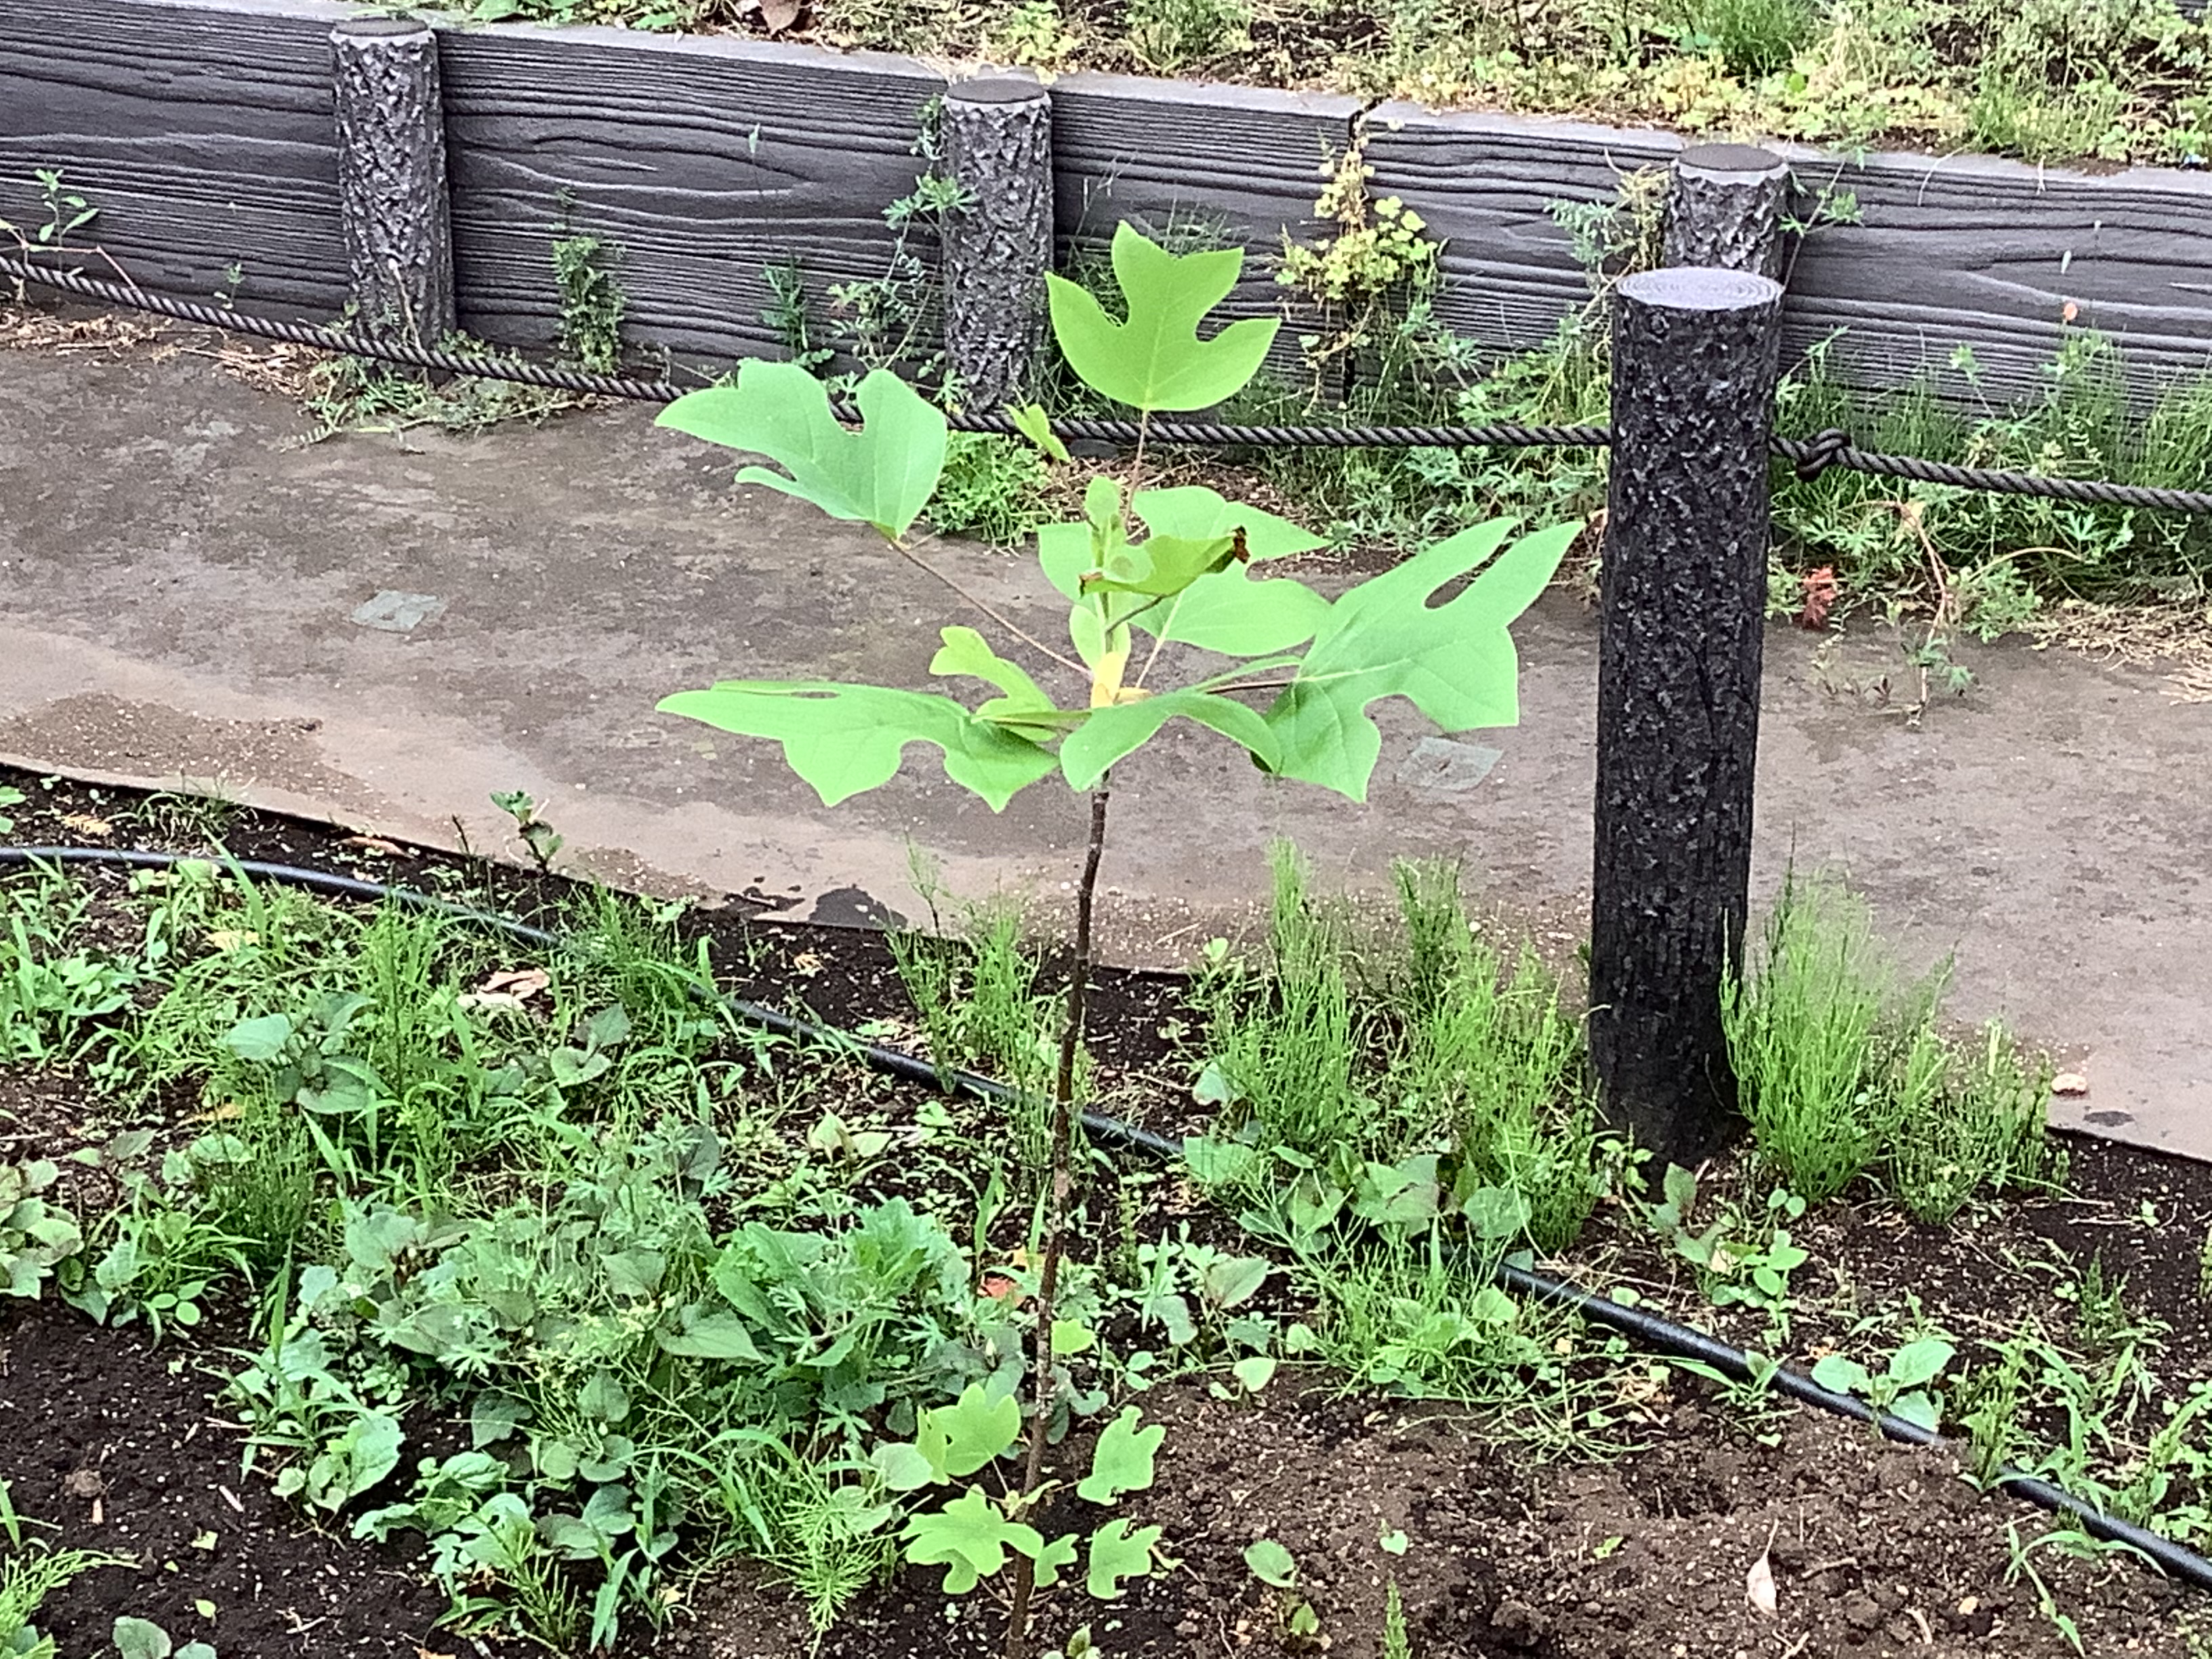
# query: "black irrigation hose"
1811 457
1662 1336
1684 1343
907 1069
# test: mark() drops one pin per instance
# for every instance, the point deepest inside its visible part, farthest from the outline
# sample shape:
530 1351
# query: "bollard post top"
1700 287
1731 160
381 27
997 90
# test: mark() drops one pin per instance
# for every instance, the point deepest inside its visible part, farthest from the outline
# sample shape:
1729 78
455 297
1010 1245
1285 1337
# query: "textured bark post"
1725 209
1682 602
392 194
998 147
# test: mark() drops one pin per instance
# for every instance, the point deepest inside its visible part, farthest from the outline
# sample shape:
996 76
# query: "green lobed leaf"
1155 360
882 475
1111 734
1455 661
1059 1552
976 1430
1227 611
1122 1460
844 739
1033 423
968 1538
967 652
1161 566
1117 1553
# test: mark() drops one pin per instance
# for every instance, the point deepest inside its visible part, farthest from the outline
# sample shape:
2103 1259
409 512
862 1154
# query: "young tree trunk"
1055 1213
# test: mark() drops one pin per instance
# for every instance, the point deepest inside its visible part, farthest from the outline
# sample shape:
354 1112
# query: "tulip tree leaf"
1162 566
1059 1552
1117 1553
844 739
1155 360
976 1431
882 475
1122 1460
968 1538
1226 611
1111 734
1454 661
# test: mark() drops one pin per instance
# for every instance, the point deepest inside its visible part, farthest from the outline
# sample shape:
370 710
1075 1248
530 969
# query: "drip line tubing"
1659 1334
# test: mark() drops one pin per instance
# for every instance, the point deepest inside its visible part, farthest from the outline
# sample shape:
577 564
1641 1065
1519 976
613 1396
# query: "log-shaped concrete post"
392 193
997 134
1682 602
1726 207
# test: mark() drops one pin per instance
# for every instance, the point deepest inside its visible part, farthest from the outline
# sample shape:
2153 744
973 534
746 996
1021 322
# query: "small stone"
2069 1084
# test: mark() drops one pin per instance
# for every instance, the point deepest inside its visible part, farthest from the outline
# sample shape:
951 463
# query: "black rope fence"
1809 457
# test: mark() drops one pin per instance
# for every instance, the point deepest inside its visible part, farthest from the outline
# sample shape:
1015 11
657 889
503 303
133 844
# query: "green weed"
993 488
1287 1053
591 304
1801 1027
1167 35
27 1577
1979 1128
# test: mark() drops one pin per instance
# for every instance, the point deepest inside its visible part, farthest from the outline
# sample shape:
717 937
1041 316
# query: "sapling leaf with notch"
1121 1462
1142 570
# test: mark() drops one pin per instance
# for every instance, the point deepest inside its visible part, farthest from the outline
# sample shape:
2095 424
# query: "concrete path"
194 593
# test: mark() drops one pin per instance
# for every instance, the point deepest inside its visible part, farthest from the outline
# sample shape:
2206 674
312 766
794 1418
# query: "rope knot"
1819 452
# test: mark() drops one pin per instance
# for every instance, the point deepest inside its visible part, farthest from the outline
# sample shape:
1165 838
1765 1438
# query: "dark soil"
115 1445
1874 1550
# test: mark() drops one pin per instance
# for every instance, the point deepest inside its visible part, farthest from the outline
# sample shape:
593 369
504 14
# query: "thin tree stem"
1055 1223
1023 635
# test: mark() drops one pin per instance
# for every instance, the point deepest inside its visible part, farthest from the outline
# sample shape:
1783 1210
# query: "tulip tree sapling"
1143 570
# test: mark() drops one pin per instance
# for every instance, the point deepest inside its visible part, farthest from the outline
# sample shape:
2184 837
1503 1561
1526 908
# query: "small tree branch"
1055 1225
1023 635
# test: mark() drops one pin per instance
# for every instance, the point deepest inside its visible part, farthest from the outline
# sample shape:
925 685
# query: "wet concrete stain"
181 572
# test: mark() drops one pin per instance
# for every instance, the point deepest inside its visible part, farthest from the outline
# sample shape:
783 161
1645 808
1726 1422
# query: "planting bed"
1528 1485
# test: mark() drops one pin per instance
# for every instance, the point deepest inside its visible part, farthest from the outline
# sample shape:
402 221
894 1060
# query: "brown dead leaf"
806 963
85 825
520 983
229 939
2069 1084
778 16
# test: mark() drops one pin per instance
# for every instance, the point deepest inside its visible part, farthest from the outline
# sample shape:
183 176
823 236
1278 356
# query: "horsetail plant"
1143 570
